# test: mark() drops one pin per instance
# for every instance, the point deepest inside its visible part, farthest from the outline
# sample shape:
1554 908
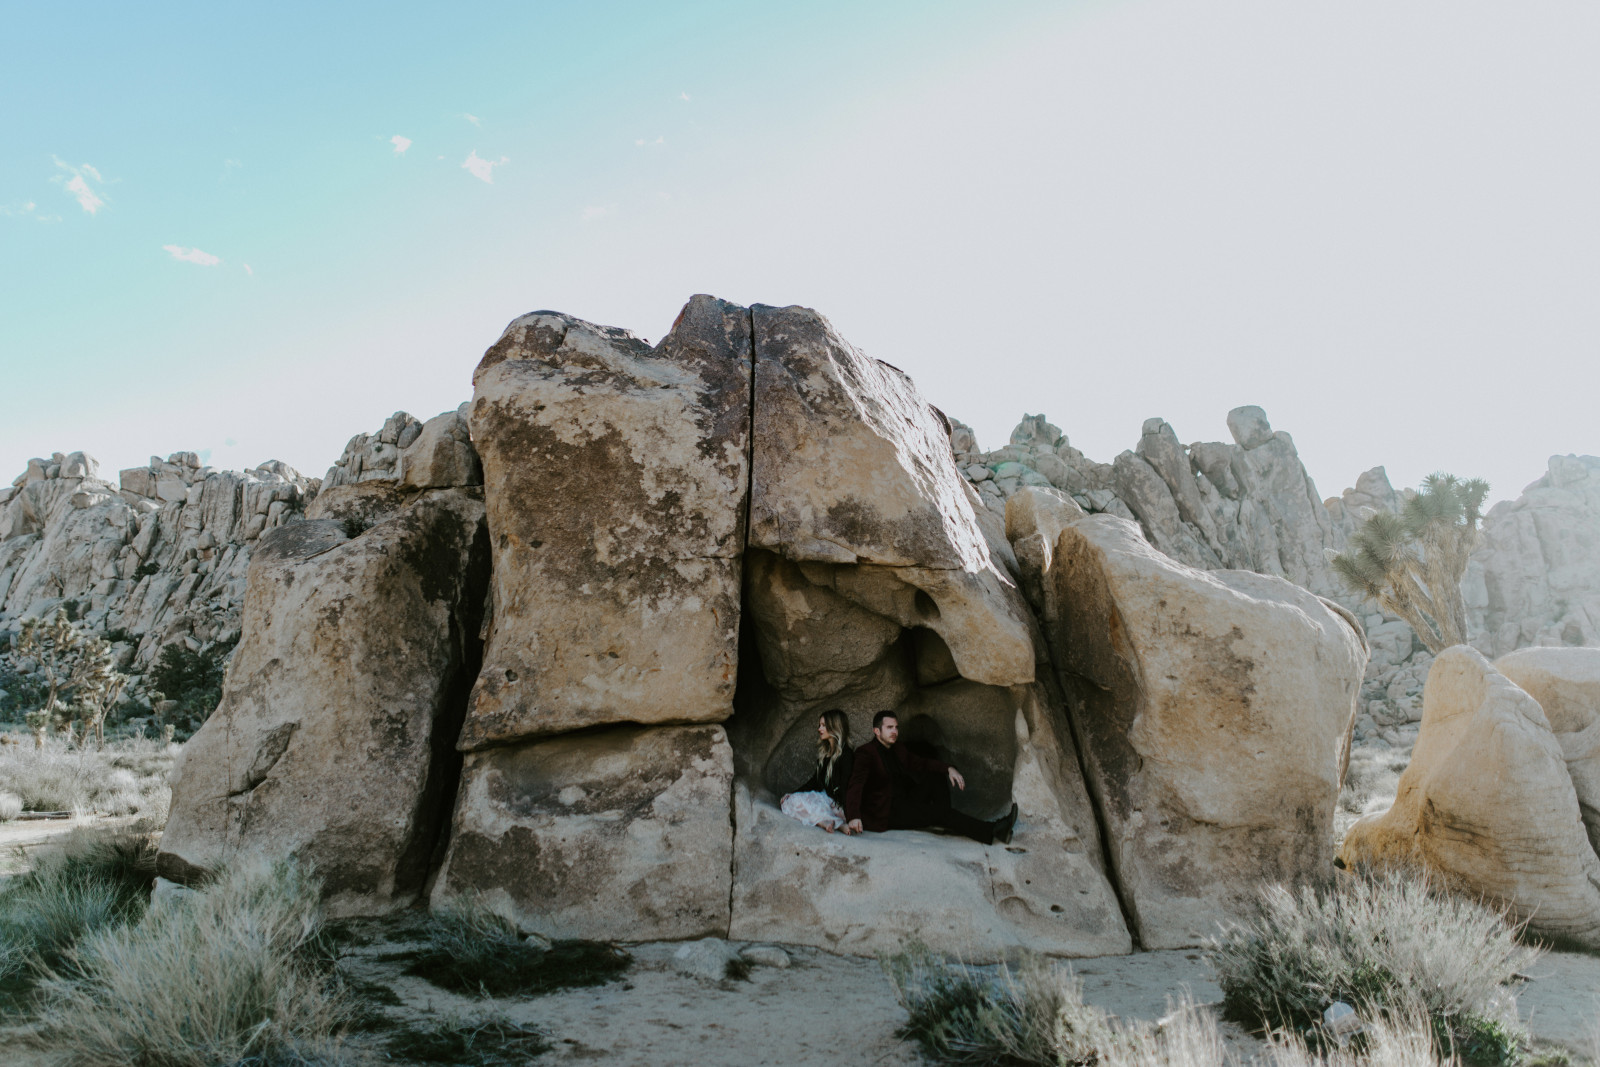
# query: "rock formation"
334 740
597 610
1487 804
1214 710
586 809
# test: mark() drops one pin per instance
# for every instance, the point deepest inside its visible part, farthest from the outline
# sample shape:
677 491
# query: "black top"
836 782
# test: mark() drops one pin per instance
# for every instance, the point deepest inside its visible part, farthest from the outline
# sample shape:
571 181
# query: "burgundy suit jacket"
870 793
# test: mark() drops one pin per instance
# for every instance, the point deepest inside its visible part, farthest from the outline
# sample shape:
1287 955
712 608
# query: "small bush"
1388 946
10 806
1401 1041
233 974
355 526
474 951
92 880
1035 1015
486 1042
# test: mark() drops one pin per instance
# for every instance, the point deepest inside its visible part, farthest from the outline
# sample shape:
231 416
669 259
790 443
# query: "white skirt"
813 809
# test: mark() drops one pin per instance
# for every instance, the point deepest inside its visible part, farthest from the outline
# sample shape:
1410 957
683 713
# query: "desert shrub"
354 526
472 950
193 679
1389 946
90 881
127 777
10 806
235 973
489 1041
1033 1015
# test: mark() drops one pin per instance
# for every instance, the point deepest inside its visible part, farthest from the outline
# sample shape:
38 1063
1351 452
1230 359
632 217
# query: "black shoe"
1004 825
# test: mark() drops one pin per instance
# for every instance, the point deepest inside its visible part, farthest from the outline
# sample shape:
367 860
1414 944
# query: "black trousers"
932 808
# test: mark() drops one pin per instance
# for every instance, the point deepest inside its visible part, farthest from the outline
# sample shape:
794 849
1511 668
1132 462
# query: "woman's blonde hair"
837 742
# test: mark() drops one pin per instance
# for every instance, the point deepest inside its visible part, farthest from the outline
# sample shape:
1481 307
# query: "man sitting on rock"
895 789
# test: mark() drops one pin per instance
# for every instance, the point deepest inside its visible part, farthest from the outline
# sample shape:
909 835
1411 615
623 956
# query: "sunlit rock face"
1487 805
616 478
1213 709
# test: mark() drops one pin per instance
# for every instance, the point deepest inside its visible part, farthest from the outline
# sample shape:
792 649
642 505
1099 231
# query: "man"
884 793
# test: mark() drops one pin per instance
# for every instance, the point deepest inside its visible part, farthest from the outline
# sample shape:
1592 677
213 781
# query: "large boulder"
334 741
1486 804
615 834
1213 709
851 466
616 476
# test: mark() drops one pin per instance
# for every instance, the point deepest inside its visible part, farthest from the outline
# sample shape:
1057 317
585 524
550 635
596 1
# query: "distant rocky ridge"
1251 505
161 556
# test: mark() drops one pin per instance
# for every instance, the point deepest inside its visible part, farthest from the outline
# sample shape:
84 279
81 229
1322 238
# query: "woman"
820 801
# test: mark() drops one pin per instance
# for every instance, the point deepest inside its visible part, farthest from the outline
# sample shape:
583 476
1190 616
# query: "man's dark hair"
877 720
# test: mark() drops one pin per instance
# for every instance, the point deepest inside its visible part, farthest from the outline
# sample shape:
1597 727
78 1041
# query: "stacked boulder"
683 554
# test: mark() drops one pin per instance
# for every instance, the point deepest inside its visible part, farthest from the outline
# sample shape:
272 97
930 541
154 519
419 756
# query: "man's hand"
956 779
853 826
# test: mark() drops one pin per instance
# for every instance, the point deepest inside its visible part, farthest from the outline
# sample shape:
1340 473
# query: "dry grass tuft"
233 974
90 881
1389 946
1033 1015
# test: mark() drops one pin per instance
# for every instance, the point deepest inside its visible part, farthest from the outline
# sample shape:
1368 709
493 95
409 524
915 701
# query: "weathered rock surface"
1486 804
1566 683
617 476
334 739
616 834
1213 709
1540 561
852 466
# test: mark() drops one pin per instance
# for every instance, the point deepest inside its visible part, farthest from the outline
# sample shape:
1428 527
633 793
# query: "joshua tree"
80 678
1412 563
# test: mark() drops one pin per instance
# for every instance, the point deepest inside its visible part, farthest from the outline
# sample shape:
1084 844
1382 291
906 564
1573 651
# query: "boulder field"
563 651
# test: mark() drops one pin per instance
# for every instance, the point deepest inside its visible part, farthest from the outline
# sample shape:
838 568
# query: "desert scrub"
472 950
127 777
1391 947
93 880
961 1015
234 973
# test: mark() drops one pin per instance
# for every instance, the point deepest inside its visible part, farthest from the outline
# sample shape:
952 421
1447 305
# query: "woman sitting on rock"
820 800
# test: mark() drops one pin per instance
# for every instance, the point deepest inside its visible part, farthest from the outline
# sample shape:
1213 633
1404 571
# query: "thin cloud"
641 142
684 97
475 120
400 144
589 214
78 187
193 255
252 274
230 164
483 169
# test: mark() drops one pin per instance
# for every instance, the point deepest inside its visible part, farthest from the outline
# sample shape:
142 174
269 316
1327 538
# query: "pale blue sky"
1378 220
